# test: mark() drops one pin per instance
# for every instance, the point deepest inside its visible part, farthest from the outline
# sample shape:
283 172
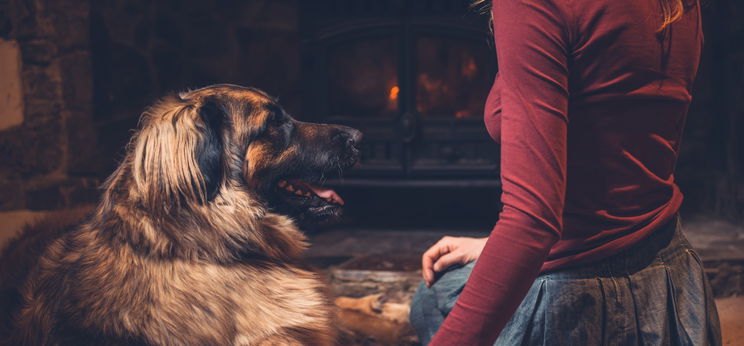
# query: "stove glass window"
363 78
453 79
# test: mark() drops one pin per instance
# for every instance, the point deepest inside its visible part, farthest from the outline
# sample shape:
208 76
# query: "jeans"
655 293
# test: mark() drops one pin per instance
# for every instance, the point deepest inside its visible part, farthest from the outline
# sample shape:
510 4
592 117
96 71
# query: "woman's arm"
532 48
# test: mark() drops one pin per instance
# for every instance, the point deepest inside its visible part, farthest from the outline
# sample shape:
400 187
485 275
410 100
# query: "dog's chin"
306 201
302 196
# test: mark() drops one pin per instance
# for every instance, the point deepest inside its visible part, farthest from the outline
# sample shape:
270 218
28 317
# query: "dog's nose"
349 136
355 136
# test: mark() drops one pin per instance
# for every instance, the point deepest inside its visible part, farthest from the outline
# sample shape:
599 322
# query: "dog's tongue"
322 192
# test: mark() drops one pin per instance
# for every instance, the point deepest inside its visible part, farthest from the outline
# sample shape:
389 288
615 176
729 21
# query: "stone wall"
11 94
88 69
41 155
144 49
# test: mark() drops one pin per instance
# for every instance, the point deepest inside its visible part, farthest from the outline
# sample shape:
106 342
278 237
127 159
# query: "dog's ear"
209 153
177 156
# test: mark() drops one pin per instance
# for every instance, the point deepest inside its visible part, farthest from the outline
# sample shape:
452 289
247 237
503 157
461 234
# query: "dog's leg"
294 337
279 340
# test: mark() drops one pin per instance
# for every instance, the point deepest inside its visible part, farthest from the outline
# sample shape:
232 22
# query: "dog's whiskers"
340 171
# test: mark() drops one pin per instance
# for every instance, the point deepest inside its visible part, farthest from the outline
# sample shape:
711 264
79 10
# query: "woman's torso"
630 88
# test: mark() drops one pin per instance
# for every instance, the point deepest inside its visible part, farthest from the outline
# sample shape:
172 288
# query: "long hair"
671 10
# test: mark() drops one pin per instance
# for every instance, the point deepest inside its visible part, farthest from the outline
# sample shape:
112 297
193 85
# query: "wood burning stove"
413 75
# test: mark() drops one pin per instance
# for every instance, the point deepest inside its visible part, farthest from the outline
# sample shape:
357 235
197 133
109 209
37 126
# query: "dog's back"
245 301
21 254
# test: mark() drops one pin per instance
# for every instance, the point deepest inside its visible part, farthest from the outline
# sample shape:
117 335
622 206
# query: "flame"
469 67
394 92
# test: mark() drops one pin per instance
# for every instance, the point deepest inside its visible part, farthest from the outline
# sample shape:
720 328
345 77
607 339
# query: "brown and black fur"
190 243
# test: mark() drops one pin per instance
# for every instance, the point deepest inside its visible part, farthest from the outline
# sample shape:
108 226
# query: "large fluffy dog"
190 243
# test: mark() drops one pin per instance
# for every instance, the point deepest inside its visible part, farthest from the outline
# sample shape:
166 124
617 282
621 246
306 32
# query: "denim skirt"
655 293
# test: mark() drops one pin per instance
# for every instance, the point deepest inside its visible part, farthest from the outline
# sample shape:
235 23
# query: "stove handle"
409 127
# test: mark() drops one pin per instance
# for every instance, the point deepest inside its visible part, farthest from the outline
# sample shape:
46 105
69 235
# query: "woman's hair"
671 10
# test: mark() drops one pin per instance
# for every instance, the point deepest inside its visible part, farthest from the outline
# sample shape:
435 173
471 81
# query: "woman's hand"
449 251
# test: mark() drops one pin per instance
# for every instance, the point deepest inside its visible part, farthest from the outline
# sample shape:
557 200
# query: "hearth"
413 76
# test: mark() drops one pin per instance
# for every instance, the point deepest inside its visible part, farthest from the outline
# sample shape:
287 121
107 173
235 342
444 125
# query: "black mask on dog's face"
291 160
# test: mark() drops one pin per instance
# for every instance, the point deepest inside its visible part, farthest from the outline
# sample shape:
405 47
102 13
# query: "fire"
469 67
394 92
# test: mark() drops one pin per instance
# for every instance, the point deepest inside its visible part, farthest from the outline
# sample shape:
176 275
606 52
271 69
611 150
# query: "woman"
589 107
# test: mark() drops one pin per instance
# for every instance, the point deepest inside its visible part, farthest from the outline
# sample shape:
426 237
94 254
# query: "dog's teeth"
290 188
308 194
283 183
298 192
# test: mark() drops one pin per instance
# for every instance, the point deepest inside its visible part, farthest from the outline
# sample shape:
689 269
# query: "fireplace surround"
413 76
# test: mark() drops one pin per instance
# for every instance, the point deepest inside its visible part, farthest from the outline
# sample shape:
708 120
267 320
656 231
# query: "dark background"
89 68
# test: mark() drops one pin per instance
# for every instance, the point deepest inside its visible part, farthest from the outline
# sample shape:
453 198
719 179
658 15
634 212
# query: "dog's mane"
178 250
158 195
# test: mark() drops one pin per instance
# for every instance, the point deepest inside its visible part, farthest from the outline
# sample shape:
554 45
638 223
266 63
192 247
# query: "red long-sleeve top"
589 107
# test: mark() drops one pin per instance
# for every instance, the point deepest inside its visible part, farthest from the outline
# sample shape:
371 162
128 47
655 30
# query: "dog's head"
194 147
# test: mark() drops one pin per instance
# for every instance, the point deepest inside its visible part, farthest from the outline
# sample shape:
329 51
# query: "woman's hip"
654 293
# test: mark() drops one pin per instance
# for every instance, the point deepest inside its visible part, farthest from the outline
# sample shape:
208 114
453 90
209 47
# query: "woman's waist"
659 246
591 237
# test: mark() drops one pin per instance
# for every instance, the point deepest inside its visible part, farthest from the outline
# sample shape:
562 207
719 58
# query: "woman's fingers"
446 261
430 257
426 269
447 252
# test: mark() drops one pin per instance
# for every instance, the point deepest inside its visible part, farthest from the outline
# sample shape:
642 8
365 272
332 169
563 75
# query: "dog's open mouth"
303 198
305 189
297 190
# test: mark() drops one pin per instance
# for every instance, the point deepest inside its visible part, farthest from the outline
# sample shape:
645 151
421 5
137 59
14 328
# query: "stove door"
416 87
452 77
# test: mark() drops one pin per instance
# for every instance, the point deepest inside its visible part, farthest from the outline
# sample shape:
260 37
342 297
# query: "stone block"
38 52
118 21
83 153
62 194
274 56
11 92
166 28
76 81
40 82
11 196
12 222
31 152
73 7
82 192
39 111
46 197
142 34
202 43
112 138
130 80
33 26
279 15
276 14
72 30
6 18
171 72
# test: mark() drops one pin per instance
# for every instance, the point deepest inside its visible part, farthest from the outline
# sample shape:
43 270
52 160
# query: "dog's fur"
186 245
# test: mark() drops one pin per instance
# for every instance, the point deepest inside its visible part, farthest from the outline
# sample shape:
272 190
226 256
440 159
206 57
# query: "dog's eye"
278 119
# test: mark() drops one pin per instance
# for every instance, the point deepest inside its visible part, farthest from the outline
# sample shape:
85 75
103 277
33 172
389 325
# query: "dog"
194 240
